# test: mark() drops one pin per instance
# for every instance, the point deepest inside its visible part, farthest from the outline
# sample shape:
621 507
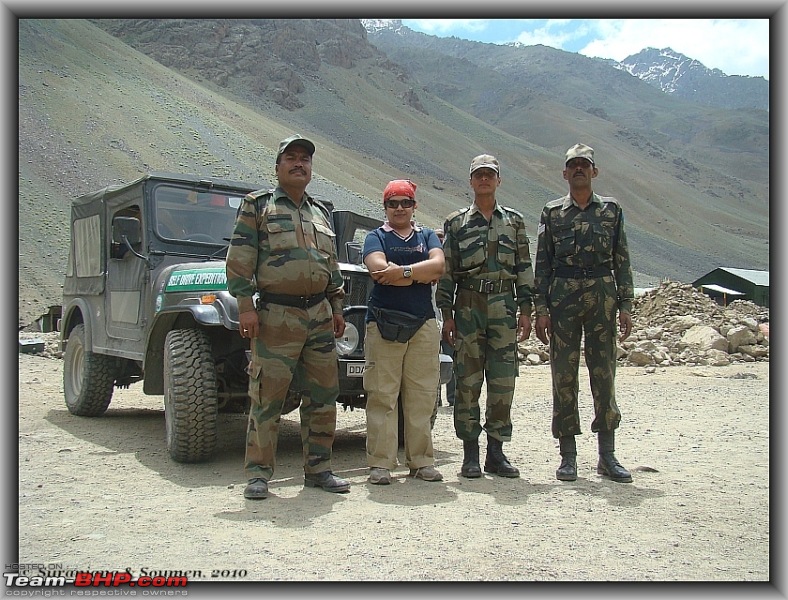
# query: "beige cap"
485 161
580 151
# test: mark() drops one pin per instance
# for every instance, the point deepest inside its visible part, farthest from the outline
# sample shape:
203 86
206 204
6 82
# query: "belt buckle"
585 272
487 286
304 300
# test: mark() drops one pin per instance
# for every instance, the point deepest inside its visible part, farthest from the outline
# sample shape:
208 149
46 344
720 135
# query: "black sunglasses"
406 203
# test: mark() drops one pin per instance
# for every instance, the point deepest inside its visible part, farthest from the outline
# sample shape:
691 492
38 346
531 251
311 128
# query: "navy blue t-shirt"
415 299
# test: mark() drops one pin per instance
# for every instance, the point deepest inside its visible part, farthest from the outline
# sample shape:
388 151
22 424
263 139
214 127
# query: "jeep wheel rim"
77 365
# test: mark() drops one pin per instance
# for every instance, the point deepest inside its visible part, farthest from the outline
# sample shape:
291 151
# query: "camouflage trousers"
485 349
292 343
583 307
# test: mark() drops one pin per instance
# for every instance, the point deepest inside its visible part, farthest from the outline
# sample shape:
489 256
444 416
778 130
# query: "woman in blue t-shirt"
404 260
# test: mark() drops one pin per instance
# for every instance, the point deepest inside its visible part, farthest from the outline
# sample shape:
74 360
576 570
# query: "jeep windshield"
186 215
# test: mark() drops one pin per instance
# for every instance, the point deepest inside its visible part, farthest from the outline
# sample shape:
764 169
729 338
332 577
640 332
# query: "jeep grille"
358 287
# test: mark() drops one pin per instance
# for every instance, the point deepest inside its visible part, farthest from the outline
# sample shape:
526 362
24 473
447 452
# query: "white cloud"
556 33
735 46
448 27
739 47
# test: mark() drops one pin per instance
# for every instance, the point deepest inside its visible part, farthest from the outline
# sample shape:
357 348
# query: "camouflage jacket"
571 237
282 248
495 249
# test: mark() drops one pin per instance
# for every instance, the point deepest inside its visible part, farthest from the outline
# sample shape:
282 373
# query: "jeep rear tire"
88 378
191 401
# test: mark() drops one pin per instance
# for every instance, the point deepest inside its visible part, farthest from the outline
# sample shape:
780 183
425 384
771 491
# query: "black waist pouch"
397 326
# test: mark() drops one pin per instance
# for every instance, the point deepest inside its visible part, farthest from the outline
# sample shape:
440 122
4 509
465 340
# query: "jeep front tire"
191 401
88 378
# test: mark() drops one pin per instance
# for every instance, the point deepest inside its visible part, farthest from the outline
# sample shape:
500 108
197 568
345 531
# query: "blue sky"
734 46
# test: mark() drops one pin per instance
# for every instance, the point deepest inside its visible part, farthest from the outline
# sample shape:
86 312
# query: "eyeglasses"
406 203
579 162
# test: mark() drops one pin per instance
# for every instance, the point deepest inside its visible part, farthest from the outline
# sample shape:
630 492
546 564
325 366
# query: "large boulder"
640 357
741 335
705 338
756 351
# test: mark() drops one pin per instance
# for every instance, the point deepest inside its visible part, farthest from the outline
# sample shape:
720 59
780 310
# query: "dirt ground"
103 494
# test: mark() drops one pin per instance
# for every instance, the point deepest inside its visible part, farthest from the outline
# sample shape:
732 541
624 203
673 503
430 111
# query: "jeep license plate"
355 369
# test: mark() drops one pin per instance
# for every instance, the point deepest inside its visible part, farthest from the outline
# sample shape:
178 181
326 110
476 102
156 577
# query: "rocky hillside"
102 105
697 166
254 58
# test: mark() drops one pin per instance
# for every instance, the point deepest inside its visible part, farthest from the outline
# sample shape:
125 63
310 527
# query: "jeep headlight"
348 343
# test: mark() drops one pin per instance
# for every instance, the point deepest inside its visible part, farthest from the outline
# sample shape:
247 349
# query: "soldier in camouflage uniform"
282 247
488 277
583 277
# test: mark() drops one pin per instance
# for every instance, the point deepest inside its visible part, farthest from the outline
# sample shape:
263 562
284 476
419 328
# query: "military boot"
256 489
496 462
327 481
608 464
568 469
470 461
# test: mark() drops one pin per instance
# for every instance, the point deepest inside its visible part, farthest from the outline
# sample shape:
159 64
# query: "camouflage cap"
299 141
580 151
487 161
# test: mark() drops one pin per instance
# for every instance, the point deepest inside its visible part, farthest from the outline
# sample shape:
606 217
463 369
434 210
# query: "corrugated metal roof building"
726 284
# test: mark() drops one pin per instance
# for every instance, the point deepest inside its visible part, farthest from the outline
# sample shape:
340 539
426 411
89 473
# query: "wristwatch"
407 272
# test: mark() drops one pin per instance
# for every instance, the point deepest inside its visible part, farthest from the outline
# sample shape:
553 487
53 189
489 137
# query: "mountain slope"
687 78
692 176
95 111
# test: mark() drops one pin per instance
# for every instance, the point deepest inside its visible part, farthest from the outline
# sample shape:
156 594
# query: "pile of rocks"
40 344
676 324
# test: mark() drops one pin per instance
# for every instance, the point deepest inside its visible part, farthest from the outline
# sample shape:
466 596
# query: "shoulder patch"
258 198
324 210
514 211
609 200
554 203
457 213
260 193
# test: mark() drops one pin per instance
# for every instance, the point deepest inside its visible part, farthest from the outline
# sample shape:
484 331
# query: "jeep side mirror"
353 250
128 227
126 235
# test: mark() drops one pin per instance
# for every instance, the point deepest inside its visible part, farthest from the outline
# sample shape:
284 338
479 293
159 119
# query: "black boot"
496 462
608 464
256 489
568 469
470 461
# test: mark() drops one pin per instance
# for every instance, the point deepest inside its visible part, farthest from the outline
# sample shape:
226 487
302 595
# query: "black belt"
288 300
486 286
581 272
